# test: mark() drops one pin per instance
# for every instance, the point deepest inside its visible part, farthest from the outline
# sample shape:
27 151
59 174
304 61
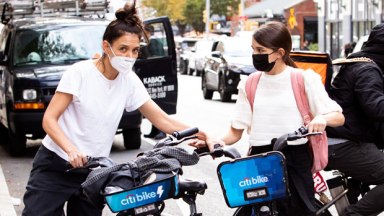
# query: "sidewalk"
7 208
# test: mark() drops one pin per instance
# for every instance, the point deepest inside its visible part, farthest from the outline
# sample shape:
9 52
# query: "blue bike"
129 191
253 184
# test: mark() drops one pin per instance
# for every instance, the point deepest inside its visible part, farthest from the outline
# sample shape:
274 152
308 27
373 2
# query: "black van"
36 50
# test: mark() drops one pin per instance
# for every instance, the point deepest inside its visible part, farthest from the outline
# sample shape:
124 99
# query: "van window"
157 45
57 46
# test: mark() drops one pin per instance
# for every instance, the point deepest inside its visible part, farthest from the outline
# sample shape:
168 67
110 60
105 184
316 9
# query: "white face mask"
122 64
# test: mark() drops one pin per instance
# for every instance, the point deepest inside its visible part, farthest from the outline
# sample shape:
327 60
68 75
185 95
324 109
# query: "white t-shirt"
91 119
275 111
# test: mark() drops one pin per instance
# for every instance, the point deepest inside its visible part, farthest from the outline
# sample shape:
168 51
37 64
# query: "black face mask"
261 63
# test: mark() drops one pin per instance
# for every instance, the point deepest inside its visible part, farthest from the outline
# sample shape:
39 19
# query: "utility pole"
242 7
207 11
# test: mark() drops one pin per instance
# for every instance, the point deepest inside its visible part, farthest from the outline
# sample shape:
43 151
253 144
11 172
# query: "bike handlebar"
178 137
185 133
281 142
219 151
181 136
302 132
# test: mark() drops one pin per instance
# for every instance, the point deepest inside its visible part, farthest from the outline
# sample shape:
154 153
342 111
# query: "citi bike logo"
143 196
253 180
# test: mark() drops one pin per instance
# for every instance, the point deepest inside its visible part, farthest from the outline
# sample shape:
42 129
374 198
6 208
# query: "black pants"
299 163
364 162
50 186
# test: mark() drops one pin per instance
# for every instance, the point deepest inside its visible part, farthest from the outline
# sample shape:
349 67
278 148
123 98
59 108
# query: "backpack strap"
298 87
297 80
250 87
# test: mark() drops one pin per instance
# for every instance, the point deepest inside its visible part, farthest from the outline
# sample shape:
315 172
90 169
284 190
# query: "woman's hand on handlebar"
77 158
209 142
317 124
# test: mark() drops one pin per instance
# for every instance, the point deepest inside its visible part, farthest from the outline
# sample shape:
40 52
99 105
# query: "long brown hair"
275 35
127 21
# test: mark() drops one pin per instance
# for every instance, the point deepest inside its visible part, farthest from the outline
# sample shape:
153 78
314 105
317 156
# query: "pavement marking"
184 207
7 208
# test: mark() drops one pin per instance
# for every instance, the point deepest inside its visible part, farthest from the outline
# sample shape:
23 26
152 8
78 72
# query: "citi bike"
145 197
261 179
253 184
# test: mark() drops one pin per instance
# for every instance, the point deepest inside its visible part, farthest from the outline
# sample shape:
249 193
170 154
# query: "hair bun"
128 14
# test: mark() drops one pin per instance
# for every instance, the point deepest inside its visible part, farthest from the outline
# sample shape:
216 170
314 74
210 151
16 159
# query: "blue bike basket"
143 195
253 179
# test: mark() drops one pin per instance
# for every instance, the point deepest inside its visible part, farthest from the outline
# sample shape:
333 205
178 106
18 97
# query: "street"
211 116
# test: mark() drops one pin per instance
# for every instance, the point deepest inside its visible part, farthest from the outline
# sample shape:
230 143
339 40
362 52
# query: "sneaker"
150 135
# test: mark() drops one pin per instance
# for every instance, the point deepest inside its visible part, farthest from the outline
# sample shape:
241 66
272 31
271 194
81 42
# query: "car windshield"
187 45
57 45
238 48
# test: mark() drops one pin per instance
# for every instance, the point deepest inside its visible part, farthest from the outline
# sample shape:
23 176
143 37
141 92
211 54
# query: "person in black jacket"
359 89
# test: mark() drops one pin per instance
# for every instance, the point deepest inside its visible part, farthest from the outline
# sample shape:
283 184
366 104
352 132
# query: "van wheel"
4 135
190 71
183 66
198 72
17 143
224 95
208 94
132 138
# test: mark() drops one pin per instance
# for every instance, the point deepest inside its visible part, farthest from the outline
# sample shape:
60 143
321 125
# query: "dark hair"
149 28
347 49
127 21
275 35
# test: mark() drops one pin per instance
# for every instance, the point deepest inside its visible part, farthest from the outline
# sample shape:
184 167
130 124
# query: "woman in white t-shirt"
275 113
83 115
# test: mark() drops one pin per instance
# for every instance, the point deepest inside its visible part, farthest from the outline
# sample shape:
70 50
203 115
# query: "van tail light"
33 106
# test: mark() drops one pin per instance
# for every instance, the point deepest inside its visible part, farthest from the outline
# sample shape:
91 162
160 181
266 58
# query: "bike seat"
191 186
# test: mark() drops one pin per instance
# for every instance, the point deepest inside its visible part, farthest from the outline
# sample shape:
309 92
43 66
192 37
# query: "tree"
193 13
170 8
224 7
161 6
183 12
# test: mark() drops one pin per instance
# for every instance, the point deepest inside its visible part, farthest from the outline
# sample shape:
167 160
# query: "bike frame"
337 188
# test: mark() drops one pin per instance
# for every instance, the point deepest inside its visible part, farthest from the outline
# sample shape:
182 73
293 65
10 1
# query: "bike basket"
143 195
253 179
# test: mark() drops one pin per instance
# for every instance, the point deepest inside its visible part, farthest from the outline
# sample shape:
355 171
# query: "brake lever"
169 141
217 151
313 133
293 137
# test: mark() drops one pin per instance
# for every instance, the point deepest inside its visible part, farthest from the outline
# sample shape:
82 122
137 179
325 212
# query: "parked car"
34 53
230 58
186 46
197 57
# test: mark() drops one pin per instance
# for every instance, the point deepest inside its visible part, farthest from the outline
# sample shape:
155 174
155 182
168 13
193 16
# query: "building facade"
300 16
345 21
